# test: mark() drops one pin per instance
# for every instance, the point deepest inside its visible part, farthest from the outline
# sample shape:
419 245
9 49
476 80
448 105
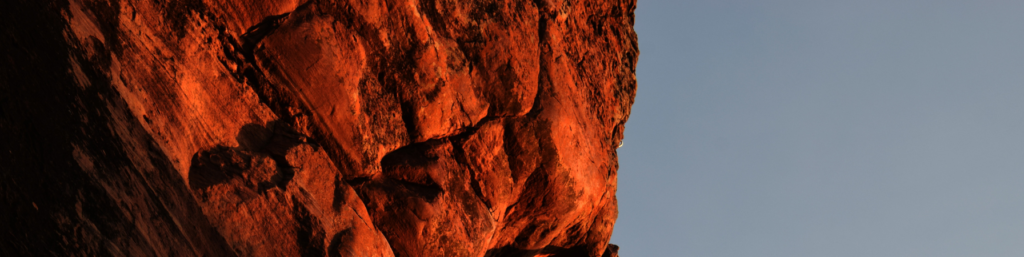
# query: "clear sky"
825 128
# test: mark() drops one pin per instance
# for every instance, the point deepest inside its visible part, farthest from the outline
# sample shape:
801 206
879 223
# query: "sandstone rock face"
313 128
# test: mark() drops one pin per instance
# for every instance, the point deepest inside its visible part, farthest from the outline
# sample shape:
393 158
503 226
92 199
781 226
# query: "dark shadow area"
216 166
554 251
220 164
509 251
409 167
413 155
310 232
78 170
340 244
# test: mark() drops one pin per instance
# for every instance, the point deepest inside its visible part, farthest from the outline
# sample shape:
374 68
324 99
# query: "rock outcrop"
312 128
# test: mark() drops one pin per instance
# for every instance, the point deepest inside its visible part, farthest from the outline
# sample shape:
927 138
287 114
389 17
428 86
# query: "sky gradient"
825 128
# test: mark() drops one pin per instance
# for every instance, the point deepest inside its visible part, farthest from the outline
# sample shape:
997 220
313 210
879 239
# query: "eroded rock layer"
313 128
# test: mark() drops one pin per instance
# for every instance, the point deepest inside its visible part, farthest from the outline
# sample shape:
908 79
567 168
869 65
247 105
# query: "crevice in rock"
310 233
409 119
241 51
408 166
415 155
474 182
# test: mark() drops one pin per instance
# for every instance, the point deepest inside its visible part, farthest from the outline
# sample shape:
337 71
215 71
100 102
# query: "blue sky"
825 128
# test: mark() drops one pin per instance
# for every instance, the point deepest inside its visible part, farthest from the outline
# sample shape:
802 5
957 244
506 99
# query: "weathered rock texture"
319 128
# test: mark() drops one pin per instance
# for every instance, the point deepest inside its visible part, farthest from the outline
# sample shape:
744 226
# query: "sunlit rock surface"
312 128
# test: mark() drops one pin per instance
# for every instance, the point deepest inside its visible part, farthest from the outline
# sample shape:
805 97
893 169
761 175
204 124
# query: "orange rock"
344 128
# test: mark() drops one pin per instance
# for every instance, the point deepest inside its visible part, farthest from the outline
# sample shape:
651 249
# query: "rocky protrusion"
313 128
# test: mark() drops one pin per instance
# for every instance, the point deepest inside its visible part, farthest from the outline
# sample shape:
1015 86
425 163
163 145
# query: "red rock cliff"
319 128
